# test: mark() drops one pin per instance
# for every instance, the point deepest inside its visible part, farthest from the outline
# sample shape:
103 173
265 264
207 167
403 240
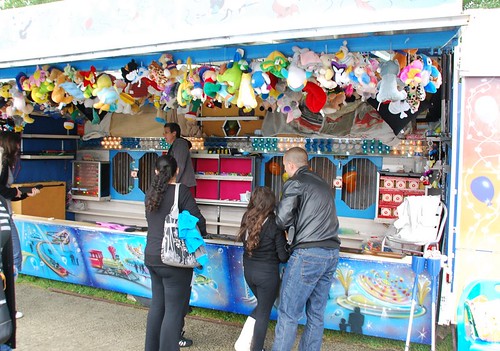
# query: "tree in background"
481 4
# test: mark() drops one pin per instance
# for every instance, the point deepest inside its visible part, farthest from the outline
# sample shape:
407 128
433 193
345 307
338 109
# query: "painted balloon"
486 109
483 190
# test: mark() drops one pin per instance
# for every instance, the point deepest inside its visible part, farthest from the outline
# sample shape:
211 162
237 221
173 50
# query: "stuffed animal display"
321 82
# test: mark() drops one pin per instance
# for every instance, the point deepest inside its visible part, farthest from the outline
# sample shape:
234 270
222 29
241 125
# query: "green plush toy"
232 75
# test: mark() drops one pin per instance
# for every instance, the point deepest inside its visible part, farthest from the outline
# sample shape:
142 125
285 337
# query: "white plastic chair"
420 225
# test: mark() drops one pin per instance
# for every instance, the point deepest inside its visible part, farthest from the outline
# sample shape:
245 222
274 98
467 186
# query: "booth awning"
109 37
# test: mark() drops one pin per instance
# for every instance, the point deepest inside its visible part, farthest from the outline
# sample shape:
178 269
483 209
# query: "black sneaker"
183 342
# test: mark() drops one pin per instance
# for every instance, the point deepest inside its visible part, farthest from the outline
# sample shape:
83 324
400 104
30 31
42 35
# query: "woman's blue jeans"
306 283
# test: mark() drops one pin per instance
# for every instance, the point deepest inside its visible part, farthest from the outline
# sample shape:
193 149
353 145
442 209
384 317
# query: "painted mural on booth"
478 222
367 297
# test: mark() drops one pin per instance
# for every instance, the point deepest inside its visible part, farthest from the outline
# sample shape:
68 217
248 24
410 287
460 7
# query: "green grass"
445 344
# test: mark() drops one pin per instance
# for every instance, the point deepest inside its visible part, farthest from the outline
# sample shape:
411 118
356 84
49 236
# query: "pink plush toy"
412 74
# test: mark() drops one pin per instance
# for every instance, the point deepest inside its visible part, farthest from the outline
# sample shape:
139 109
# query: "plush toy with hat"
169 66
274 63
389 83
315 97
261 82
345 57
88 81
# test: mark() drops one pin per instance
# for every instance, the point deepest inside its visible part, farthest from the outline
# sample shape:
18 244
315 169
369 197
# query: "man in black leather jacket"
307 212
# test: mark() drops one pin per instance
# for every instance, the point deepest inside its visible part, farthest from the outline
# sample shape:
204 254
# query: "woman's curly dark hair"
260 206
166 166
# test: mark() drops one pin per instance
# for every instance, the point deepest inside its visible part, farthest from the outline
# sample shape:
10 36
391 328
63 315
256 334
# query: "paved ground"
60 321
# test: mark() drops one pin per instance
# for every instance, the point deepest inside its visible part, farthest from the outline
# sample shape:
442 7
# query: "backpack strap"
174 211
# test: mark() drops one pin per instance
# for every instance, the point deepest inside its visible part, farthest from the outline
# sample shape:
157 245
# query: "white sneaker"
19 314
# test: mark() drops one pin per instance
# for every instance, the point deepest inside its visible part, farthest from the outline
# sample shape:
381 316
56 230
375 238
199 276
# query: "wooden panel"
50 203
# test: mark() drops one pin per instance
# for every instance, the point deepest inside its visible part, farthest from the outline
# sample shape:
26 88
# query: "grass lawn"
444 339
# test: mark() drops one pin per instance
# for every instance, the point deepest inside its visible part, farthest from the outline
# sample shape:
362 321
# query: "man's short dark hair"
174 127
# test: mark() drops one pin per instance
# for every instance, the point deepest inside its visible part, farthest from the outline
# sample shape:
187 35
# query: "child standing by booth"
265 249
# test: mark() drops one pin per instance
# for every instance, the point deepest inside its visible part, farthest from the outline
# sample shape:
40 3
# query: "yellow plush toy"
246 95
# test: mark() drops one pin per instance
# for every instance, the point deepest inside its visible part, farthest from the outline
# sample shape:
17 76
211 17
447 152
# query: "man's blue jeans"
306 283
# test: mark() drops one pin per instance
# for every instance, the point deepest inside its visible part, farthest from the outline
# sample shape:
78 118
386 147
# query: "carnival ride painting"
51 251
367 296
116 261
374 298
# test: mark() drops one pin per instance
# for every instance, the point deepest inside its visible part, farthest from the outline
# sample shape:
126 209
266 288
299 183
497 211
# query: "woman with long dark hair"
264 250
170 286
10 145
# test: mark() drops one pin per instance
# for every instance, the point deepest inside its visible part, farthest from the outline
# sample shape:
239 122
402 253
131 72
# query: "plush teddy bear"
325 74
334 102
59 94
169 66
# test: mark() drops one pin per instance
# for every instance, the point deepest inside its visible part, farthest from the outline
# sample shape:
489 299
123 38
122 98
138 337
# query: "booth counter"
374 292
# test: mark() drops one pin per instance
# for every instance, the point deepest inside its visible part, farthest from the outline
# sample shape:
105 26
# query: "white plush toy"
388 85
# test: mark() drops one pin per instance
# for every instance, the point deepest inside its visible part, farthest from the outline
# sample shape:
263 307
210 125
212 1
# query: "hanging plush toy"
184 96
20 106
288 104
296 77
246 95
232 75
324 74
430 74
388 85
59 95
273 64
315 97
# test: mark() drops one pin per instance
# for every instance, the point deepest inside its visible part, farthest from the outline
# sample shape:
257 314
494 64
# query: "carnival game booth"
371 101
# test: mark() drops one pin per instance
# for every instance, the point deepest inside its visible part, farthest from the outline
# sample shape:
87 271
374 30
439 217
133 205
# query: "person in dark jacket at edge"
264 249
307 212
180 150
7 271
